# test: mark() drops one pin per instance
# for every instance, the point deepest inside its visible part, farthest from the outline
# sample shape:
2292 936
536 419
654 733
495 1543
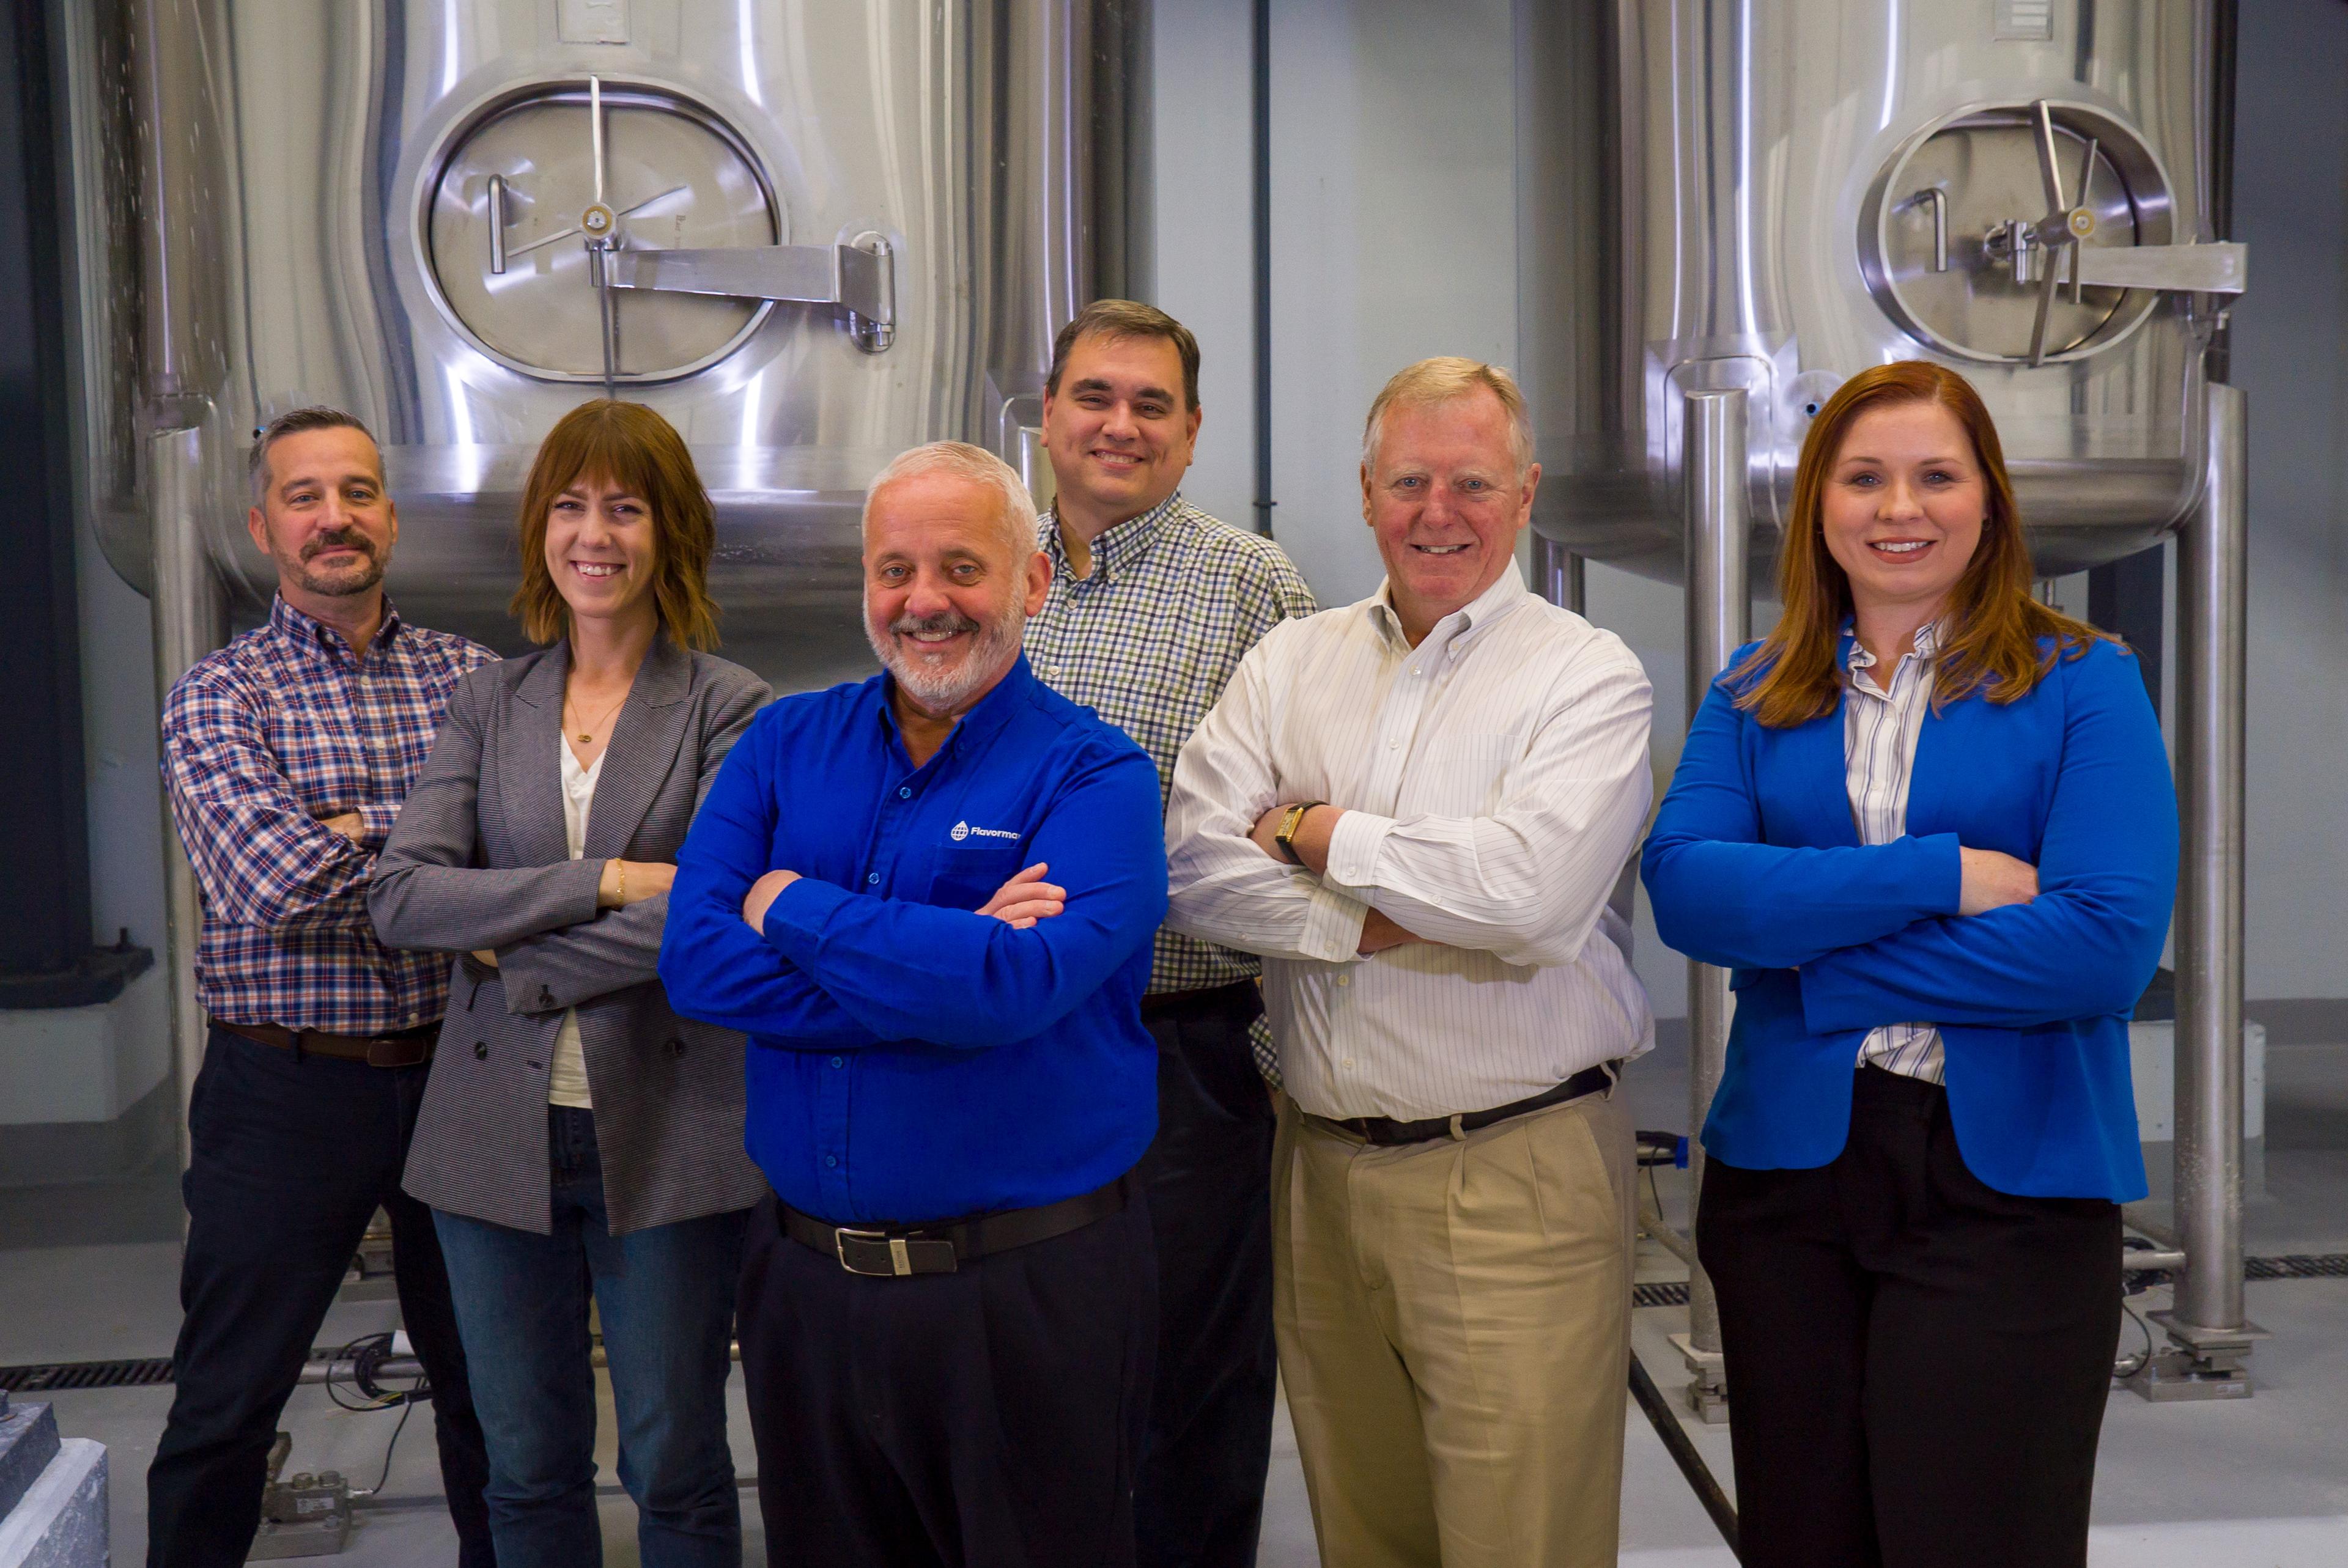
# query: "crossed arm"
1526 881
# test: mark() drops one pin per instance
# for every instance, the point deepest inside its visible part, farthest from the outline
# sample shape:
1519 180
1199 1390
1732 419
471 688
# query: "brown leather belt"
405 1048
941 1248
1384 1131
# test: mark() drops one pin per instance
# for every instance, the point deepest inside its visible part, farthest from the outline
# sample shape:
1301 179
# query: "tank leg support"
1719 520
2210 1336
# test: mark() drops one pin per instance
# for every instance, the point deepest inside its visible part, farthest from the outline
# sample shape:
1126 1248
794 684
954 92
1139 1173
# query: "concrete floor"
2256 1484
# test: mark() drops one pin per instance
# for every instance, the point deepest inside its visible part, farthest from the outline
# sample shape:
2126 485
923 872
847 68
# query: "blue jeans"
665 1295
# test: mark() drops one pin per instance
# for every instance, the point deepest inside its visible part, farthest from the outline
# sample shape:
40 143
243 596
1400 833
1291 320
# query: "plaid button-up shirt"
1148 641
262 740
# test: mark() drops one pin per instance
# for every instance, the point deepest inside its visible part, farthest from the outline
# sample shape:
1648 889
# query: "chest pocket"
970 871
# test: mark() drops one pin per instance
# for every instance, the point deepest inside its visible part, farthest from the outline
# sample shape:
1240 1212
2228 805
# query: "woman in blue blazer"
1928 823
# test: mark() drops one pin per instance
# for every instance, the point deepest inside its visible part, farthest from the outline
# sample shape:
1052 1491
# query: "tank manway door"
553 201
2027 233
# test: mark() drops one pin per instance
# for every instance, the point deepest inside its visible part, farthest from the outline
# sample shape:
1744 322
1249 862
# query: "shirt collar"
1120 546
1857 657
307 632
1507 592
993 712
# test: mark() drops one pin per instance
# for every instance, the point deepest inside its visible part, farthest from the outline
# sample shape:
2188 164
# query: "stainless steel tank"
1724 193
811 234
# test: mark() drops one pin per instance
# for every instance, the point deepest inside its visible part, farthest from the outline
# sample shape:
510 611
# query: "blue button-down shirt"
913 1060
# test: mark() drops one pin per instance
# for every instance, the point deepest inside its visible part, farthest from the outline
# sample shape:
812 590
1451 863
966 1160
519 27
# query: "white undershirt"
567 1084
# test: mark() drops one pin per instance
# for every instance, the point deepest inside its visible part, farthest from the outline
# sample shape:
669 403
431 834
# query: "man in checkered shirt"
287 755
1153 604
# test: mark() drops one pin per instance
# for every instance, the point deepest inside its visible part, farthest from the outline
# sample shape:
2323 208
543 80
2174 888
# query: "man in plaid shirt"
1153 604
287 755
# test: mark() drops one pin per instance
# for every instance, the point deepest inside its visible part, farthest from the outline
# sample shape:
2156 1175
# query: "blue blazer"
1755 865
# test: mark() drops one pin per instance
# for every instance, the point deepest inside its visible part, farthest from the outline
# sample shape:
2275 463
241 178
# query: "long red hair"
1996 637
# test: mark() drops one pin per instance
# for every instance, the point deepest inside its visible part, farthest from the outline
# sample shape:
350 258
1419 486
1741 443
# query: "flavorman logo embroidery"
962 830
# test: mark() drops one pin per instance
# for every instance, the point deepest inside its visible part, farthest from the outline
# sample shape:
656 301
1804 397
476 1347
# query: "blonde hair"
1446 378
629 445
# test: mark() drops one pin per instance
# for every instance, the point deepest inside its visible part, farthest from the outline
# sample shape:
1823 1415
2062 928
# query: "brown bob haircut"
1117 319
627 446
1996 637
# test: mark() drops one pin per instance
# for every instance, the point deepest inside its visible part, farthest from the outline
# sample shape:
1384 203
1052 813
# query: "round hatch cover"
676 176
1944 222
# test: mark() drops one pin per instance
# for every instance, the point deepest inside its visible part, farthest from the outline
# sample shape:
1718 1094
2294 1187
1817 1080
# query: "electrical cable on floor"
407 1409
365 1354
1682 1450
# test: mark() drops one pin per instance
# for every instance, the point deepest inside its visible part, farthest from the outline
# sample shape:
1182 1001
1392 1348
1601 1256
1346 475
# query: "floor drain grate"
85 1375
2296 1265
1670 1293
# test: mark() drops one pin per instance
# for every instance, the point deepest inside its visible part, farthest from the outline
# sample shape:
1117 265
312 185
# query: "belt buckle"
900 1262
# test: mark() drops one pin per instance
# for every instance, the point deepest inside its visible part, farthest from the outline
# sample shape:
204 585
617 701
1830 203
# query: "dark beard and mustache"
941 691
344 581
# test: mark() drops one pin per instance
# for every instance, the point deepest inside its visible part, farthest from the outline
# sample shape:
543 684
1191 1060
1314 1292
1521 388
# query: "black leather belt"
940 1247
1239 996
1383 1131
401 1047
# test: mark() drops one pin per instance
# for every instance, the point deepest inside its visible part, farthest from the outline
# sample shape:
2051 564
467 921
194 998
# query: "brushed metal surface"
1701 183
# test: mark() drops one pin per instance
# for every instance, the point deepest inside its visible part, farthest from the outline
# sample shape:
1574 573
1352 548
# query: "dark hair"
629 445
315 417
1997 635
1115 319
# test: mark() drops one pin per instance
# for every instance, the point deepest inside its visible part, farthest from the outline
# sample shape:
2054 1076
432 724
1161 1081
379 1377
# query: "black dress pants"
990 1417
1917 1363
1199 1503
290 1157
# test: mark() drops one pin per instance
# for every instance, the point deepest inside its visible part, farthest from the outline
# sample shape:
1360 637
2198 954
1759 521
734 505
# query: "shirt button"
1349 1061
839 1062
1393 744
832 1161
905 792
873 880
1344 980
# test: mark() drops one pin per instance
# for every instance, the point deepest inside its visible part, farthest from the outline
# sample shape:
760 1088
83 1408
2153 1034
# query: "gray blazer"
478 859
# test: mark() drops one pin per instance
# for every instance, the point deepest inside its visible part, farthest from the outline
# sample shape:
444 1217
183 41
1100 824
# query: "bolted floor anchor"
2200 1364
1707 1389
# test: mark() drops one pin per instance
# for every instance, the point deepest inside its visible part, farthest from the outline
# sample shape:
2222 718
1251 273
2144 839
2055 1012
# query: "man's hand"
1379 932
349 823
1992 880
1026 899
761 897
1311 839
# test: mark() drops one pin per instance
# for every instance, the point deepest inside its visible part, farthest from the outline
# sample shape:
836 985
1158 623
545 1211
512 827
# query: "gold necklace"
586 734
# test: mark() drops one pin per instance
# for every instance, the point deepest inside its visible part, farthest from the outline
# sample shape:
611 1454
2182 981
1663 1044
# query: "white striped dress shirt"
1878 740
1495 779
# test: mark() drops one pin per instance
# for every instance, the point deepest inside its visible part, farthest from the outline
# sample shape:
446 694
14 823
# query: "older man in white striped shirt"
1414 809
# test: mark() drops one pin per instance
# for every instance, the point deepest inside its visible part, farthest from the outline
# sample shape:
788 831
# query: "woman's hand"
626 882
1026 899
1992 880
484 956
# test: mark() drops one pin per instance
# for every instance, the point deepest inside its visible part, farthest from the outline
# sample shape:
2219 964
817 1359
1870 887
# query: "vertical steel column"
1558 576
2208 1325
188 615
1719 522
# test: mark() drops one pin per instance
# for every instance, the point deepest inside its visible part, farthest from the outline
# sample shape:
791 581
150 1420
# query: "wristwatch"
1290 820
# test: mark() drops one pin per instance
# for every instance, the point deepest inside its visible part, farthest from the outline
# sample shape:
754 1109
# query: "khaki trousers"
1453 1320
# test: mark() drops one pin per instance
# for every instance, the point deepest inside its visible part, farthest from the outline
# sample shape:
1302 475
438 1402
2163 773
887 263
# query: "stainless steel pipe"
1717 514
1560 575
2212 608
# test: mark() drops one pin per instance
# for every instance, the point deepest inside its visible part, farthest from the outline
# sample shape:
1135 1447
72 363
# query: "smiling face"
1447 503
948 587
325 518
601 550
1119 432
1903 508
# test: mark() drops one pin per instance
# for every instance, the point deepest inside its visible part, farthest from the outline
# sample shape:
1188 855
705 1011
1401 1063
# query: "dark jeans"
1198 1502
289 1158
665 1295
990 1417
1917 1363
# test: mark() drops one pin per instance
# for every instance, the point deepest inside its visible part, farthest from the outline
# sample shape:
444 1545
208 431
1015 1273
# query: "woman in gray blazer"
576 1134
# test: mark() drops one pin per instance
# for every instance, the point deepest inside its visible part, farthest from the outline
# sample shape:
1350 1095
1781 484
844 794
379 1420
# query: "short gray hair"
1446 378
979 466
315 417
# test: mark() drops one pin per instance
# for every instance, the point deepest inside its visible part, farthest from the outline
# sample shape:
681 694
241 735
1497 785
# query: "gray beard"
944 692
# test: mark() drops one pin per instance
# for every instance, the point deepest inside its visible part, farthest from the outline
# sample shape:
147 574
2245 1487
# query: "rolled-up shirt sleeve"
1527 881
1223 886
